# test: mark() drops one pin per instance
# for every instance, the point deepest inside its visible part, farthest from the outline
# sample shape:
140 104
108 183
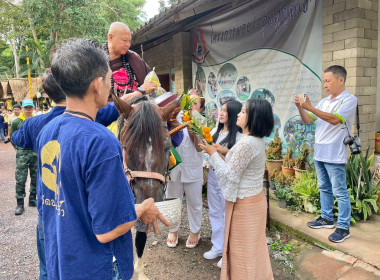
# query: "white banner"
264 49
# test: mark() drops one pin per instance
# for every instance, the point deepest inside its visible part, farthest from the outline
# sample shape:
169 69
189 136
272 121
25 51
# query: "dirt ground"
18 253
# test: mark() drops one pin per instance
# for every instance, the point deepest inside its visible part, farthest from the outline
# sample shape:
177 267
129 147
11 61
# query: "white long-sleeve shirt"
241 174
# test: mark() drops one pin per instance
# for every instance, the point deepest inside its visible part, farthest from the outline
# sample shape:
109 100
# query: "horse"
146 143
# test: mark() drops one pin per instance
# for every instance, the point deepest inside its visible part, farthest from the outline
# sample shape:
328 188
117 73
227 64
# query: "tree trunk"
15 54
42 64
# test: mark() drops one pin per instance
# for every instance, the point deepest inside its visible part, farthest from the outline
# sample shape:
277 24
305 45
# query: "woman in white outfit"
225 134
245 251
187 178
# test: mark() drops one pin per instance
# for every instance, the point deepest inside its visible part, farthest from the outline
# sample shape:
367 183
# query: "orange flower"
209 138
206 129
186 118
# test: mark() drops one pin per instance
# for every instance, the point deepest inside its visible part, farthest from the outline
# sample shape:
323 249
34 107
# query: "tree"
44 23
13 25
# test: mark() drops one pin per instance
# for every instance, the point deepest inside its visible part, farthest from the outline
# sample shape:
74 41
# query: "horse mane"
143 128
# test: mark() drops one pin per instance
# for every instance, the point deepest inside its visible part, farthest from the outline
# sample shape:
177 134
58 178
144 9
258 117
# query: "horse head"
146 143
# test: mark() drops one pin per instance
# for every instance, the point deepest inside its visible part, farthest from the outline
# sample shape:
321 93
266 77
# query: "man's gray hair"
76 63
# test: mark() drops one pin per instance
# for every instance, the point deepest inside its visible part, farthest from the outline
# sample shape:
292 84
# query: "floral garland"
128 69
194 124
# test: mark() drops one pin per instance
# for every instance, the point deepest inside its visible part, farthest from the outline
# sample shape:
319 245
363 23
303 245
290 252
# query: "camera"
354 143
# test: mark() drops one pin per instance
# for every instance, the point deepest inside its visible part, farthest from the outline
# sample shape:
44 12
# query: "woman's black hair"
233 109
260 117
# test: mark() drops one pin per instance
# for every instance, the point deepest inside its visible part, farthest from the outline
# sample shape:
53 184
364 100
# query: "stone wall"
350 32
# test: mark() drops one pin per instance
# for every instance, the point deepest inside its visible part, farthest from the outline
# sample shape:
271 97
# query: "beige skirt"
245 254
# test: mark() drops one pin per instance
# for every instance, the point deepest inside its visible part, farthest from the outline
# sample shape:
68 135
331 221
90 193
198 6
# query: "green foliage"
306 186
283 193
277 245
306 189
52 21
361 186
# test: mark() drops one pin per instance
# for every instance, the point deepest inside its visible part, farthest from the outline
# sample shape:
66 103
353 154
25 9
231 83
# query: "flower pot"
273 164
377 143
282 203
272 185
288 172
298 172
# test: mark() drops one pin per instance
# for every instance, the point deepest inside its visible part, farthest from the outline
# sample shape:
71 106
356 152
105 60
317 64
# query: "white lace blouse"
241 174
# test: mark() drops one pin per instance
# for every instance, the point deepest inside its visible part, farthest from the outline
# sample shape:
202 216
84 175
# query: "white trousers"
193 192
217 209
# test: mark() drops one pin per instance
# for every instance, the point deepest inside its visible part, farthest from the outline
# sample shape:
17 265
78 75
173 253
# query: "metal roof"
179 17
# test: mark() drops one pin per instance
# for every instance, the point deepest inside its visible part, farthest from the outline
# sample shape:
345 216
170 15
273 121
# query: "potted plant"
288 163
272 179
284 195
306 188
362 187
274 153
300 164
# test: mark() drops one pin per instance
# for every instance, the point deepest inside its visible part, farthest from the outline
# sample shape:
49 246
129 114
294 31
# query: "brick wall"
174 53
160 57
350 32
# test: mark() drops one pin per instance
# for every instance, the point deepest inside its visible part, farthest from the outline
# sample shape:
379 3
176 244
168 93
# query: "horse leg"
140 242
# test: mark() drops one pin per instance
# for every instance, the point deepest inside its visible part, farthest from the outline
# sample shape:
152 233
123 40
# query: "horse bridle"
131 175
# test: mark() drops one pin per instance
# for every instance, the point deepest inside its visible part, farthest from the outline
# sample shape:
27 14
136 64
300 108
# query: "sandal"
172 245
190 246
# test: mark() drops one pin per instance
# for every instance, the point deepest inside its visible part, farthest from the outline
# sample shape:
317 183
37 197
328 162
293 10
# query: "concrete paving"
358 257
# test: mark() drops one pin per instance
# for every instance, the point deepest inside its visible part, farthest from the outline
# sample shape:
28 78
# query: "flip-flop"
190 246
172 245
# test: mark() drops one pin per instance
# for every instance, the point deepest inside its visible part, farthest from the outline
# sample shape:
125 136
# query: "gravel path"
18 253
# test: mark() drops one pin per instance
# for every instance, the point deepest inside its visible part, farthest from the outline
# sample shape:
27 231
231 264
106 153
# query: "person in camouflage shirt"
25 159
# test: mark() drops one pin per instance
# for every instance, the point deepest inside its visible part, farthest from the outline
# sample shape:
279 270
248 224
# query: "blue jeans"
332 183
115 272
41 249
2 134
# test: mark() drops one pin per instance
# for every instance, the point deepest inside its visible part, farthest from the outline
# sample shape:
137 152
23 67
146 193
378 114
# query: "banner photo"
263 49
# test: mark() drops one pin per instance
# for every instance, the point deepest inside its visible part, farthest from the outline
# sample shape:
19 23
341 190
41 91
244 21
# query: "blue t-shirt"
26 136
84 192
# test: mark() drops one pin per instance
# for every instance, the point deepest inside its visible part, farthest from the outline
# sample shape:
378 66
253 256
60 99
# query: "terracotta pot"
288 172
377 143
273 164
298 172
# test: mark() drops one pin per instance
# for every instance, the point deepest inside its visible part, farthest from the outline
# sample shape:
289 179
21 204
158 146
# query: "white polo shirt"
329 146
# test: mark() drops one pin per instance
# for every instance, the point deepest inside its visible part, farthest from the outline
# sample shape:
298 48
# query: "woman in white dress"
225 134
187 178
240 176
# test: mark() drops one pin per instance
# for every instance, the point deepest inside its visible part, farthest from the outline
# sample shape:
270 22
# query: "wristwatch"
142 90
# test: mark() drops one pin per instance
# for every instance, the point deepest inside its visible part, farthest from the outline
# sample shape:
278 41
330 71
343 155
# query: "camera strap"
357 118
357 121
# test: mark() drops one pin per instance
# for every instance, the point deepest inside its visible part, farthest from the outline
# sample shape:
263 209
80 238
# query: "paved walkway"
358 257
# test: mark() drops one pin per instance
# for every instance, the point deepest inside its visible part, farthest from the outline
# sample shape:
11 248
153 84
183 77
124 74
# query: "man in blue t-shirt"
26 137
86 203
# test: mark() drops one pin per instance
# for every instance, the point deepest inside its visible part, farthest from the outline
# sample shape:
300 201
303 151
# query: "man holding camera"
334 116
